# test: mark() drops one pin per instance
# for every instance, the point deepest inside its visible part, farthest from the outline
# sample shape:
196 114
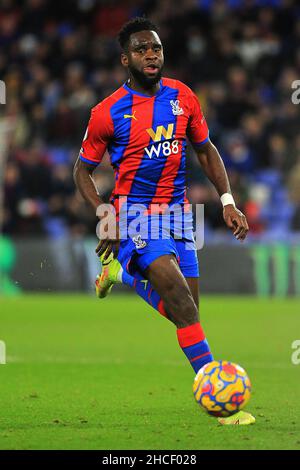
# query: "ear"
124 60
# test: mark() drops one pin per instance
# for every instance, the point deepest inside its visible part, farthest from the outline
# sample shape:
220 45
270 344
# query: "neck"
136 86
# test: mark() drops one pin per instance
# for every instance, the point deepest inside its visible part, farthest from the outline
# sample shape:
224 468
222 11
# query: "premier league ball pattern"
222 388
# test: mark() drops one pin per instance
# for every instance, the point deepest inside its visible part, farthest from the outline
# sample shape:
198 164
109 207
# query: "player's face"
144 57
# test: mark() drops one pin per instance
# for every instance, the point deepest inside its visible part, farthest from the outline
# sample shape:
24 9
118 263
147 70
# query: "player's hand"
236 221
109 245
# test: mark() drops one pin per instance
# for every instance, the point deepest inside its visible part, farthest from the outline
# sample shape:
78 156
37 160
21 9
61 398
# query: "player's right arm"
98 134
83 177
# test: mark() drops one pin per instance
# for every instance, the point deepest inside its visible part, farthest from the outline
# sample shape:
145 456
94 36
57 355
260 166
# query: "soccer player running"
144 125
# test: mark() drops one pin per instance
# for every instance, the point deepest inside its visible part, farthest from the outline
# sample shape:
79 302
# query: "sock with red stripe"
194 345
145 290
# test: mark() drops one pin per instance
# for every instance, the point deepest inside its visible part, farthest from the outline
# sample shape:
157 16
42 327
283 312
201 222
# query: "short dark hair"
134 26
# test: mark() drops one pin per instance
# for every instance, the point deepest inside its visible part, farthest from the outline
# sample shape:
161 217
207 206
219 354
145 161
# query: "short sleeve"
197 127
98 134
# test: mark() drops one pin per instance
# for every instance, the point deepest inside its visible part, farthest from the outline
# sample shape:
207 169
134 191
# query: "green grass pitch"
84 373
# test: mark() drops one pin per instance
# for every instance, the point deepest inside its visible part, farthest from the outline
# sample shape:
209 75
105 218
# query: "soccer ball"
222 388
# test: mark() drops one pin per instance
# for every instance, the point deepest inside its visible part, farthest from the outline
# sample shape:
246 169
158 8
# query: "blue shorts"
137 252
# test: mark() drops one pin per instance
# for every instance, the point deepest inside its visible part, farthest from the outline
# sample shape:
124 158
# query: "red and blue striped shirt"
145 137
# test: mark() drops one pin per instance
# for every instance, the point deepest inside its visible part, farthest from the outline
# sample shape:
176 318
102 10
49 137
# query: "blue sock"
194 345
144 289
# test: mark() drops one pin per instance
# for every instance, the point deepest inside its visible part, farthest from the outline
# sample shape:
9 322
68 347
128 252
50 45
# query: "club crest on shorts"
139 243
176 109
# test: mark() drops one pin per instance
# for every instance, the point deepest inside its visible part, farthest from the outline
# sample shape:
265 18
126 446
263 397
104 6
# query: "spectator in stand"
58 59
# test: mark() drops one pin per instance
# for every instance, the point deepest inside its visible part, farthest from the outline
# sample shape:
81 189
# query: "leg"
167 280
168 291
145 290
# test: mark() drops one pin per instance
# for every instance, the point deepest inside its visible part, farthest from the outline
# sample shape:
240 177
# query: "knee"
181 307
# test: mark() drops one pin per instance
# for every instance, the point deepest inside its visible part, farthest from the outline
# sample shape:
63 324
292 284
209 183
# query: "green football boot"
241 418
111 270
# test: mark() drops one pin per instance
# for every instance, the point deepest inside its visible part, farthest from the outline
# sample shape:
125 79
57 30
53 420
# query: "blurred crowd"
58 59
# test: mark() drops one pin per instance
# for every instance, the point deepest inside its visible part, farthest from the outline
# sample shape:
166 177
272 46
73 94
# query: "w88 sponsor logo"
164 148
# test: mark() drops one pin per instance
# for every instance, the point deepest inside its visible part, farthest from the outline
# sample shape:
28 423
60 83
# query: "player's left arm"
213 167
